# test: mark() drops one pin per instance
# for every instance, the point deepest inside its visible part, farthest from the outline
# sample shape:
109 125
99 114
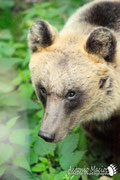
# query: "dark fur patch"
34 49
40 35
102 42
100 130
42 98
107 132
106 14
110 83
109 92
102 82
109 88
45 34
77 102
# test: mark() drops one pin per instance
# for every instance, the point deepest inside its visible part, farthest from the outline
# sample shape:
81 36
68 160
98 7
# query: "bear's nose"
46 136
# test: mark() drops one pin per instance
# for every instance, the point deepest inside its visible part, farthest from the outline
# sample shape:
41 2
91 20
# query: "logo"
93 170
112 169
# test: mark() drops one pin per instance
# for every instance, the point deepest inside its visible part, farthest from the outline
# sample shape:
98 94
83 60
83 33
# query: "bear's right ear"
41 35
102 42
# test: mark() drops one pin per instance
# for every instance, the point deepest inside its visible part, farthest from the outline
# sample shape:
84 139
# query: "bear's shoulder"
105 13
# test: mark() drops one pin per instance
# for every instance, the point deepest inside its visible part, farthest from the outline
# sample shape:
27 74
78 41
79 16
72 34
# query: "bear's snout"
46 136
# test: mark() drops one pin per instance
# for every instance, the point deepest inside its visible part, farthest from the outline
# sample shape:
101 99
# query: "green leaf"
40 167
25 75
44 160
26 90
22 174
84 177
5 35
21 161
42 148
40 113
60 175
35 133
30 105
10 50
71 159
6 4
20 136
69 144
7 63
3 169
12 99
11 122
3 131
82 144
52 170
77 177
33 157
47 177
5 86
6 152
116 176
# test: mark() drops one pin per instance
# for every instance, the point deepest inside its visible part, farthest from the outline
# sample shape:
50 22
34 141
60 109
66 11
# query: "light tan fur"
66 64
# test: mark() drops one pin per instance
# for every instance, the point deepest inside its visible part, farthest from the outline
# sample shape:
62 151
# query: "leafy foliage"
23 155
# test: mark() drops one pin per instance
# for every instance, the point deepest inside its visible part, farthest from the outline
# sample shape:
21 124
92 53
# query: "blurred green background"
24 155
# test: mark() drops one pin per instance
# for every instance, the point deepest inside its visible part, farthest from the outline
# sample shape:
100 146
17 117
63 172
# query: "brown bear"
76 73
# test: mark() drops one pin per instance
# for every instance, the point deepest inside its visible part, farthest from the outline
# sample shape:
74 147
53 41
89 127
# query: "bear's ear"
41 35
102 43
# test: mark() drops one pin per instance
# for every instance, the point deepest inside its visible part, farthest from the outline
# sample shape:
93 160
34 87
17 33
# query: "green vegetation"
24 155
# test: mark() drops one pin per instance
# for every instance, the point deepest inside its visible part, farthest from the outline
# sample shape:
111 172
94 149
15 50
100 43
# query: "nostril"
46 136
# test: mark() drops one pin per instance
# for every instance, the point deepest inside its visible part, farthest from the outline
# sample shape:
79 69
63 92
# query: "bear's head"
74 76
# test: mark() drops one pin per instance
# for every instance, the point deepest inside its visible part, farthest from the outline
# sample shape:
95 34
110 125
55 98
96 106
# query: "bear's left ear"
41 35
102 43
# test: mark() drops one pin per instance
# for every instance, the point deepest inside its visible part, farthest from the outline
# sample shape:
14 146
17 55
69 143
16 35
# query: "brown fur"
84 58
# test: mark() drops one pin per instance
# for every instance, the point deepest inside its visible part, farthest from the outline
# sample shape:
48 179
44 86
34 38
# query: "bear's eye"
71 95
43 92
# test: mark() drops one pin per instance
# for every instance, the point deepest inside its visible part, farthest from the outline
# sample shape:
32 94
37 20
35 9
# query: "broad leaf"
60 175
26 90
20 136
21 161
69 144
2 169
22 174
6 152
3 131
11 122
6 4
71 159
42 148
33 157
40 167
